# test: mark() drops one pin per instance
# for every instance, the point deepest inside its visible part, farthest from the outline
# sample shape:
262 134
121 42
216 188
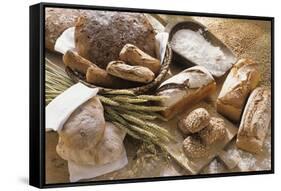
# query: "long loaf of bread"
76 62
132 73
135 56
255 121
242 79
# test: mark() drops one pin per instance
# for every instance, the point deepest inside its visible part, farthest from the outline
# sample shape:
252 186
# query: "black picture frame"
37 94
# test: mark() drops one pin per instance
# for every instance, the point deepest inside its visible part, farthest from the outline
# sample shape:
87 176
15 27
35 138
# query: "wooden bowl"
137 90
193 25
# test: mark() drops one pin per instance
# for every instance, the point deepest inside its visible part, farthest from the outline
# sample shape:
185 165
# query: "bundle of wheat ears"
130 112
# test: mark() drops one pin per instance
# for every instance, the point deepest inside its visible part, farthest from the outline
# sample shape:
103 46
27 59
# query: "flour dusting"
193 46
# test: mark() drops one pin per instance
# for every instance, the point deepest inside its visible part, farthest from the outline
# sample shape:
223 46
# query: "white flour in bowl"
197 49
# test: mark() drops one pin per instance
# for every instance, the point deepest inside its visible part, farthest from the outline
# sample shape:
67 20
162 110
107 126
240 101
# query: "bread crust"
57 20
242 79
194 121
184 89
214 132
76 62
255 121
102 78
81 133
194 148
135 56
100 35
132 73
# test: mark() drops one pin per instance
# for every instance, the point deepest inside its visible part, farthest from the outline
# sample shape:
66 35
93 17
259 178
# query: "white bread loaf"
186 88
255 121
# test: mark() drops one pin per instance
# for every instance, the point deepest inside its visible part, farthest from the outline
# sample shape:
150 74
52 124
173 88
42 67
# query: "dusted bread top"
184 89
241 80
86 138
184 83
101 35
81 133
194 77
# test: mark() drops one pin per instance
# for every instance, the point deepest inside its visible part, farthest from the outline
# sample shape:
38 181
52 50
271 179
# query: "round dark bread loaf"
100 35
58 20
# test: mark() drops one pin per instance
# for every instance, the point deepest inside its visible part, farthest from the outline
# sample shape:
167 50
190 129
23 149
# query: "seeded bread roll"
132 73
58 20
214 132
255 121
242 79
100 35
194 121
194 148
184 89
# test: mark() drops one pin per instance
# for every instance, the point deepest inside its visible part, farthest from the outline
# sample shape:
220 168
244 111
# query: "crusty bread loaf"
255 121
100 35
58 20
102 78
242 79
87 139
82 132
76 62
184 89
135 56
132 73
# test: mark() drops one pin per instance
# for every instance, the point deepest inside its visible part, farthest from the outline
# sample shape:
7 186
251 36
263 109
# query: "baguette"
100 77
135 56
132 73
242 79
255 121
188 87
76 62
94 74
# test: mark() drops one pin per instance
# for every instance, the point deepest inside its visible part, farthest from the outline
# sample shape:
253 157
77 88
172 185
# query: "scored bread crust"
255 121
101 35
184 89
58 20
242 79
132 73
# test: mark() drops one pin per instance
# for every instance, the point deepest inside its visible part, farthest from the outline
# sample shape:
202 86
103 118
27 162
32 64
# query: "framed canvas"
130 95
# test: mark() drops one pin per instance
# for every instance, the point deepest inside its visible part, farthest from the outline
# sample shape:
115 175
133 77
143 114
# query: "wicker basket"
137 90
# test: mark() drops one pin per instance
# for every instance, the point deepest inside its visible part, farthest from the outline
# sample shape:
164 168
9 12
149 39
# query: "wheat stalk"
128 111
